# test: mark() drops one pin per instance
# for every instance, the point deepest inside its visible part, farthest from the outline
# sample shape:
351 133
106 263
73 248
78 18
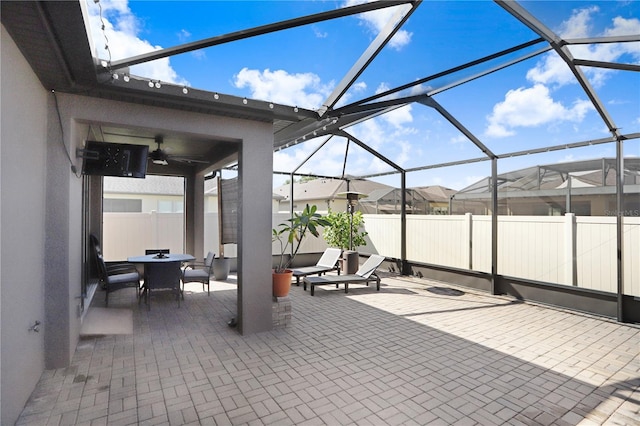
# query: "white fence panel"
533 247
130 234
439 240
211 241
383 235
596 248
631 231
173 239
529 247
481 243
309 245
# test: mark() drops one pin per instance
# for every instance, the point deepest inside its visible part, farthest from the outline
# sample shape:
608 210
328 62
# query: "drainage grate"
445 291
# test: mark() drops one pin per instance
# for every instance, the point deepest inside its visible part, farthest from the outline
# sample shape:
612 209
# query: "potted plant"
221 267
290 235
345 232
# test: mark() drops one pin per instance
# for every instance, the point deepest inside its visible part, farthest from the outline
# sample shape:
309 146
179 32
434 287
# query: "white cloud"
531 107
405 154
376 20
459 139
121 30
386 133
553 70
327 162
318 33
356 88
183 35
382 87
399 116
372 131
302 89
420 89
359 87
378 133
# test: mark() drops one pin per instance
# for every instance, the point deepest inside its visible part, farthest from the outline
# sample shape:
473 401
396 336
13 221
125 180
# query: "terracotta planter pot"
282 283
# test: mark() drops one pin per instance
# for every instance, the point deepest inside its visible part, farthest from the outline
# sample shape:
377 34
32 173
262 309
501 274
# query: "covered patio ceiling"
60 52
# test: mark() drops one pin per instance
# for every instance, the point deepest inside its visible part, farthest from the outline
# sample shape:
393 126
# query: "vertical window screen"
229 202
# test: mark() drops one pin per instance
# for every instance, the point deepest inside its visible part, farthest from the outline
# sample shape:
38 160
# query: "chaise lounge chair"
328 262
364 275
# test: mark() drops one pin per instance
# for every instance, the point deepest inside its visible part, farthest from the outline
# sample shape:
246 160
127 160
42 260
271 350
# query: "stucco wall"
255 141
41 218
22 229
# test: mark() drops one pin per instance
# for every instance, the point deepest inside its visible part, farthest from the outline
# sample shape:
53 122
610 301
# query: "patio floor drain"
444 291
81 378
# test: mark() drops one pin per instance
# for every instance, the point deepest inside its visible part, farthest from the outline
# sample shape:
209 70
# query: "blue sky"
533 104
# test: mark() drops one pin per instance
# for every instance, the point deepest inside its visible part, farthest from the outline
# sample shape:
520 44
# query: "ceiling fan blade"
159 157
187 159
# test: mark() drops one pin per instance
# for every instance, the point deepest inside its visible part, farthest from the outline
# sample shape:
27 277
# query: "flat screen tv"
115 159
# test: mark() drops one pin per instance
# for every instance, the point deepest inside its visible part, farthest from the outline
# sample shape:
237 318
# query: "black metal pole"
619 227
494 224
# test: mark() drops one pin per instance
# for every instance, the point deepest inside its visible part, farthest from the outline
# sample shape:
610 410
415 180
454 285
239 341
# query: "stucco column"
254 233
194 215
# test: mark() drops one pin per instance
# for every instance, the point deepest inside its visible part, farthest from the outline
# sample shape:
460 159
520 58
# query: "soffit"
53 39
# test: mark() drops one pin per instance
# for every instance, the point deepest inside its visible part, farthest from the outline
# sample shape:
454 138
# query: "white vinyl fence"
569 250
130 234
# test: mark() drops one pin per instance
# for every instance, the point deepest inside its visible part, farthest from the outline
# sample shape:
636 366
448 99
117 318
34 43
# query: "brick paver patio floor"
415 353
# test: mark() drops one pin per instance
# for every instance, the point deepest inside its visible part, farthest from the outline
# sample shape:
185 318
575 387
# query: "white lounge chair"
364 275
328 262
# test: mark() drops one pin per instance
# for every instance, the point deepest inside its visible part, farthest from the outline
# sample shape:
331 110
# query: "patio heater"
351 256
352 199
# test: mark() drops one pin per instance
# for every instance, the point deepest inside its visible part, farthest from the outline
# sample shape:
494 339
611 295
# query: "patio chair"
364 275
328 262
153 251
198 272
111 267
117 279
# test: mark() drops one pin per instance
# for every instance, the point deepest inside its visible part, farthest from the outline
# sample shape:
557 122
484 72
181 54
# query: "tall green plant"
291 233
337 233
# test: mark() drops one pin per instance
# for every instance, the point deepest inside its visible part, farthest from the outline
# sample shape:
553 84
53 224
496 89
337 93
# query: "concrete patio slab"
417 352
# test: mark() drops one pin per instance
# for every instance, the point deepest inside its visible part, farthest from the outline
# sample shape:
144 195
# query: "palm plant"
291 233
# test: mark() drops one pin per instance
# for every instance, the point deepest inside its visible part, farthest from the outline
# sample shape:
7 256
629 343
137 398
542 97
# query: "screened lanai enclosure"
586 188
528 111
522 109
524 89
424 200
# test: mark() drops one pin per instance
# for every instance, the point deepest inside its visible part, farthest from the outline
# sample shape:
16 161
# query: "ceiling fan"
158 156
161 156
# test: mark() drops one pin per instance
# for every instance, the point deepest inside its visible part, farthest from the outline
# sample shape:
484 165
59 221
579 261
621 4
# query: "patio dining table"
161 272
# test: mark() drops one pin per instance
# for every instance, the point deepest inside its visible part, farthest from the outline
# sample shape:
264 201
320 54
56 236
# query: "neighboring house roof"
435 192
594 174
378 194
417 199
425 193
327 189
